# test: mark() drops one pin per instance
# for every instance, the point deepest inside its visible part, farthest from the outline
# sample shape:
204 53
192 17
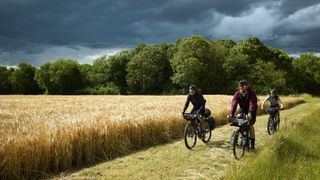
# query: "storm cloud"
37 31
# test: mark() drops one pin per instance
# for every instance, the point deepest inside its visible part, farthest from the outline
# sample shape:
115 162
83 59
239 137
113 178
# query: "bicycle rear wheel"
238 145
207 135
270 126
190 136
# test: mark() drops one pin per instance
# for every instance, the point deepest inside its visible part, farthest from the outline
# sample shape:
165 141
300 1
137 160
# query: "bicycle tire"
207 136
190 133
270 126
238 149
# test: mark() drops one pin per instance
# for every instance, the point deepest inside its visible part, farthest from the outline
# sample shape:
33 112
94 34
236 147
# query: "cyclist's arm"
234 104
264 102
280 103
186 105
253 103
203 100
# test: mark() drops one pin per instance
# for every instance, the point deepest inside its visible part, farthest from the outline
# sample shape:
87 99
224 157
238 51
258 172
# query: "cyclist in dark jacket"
247 100
198 102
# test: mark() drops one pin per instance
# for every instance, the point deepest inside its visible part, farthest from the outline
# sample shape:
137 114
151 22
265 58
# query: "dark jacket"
197 101
247 103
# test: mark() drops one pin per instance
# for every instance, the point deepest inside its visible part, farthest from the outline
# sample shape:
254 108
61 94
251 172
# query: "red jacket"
250 103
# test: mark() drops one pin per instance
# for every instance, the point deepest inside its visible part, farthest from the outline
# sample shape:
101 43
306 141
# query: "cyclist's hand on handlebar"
249 116
281 107
229 116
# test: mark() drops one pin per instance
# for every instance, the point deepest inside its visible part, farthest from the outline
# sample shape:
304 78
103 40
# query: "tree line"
169 68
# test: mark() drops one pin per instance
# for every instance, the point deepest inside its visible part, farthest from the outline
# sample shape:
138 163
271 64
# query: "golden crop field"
48 134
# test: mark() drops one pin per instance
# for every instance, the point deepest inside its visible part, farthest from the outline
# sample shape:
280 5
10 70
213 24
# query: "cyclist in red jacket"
247 100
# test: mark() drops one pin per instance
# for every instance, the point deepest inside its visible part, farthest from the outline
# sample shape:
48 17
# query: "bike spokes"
190 136
271 127
207 136
238 144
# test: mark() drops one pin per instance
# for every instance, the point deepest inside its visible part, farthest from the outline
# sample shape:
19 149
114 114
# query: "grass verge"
293 154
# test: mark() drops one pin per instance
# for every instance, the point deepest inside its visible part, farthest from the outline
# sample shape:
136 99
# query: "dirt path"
175 161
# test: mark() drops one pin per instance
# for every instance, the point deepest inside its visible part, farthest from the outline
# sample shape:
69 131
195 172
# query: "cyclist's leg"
202 123
252 132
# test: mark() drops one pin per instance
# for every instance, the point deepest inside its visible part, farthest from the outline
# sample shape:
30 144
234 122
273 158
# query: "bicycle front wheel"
270 126
238 145
190 136
278 123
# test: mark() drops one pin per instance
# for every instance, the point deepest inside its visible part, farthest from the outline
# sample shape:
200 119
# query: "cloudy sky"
37 31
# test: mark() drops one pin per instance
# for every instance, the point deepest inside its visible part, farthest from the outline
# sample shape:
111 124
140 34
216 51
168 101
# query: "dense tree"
252 48
283 62
22 79
190 61
60 77
307 73
149 70
86 71
5 83
237 67
116 70
98 73
215 66
264 76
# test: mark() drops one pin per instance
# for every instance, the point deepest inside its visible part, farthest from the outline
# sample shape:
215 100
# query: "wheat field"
41 135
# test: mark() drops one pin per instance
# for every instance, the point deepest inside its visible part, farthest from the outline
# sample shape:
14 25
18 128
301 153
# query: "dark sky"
37 31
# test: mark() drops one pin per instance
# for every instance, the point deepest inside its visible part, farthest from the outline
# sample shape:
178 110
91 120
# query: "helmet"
193 87
243 82
273 91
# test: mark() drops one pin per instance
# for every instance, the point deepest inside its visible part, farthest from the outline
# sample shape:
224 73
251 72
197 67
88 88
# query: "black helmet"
273 91
193 87
243 82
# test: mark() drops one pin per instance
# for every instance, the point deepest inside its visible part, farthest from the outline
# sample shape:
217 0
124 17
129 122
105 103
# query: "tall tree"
5 83
149 70
60 77
307 73
116 70
191 61
264 76
23 79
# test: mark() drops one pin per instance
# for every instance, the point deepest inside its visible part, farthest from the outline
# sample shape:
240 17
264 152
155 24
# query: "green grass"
290 155
212 161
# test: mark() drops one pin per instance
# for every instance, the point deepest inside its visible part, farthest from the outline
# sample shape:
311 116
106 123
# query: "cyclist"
198 102
247 100
274 100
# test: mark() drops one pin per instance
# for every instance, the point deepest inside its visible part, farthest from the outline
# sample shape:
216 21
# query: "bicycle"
192 130
273 120
240 139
